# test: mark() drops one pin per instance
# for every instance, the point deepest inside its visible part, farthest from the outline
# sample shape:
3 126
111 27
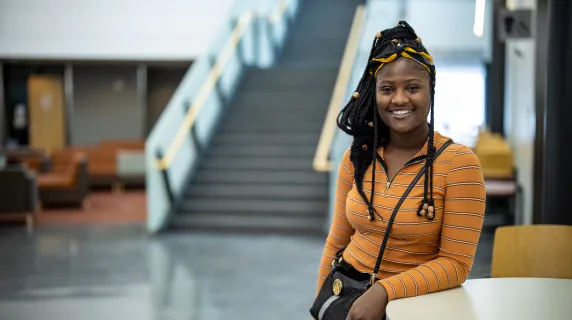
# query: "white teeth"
401 112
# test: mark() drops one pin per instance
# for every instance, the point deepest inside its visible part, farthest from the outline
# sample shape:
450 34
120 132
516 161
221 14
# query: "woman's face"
403 95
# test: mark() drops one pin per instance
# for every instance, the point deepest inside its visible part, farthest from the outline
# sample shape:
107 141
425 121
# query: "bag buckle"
336 261
372 279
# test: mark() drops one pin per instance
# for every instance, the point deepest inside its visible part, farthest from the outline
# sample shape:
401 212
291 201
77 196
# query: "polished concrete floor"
121 273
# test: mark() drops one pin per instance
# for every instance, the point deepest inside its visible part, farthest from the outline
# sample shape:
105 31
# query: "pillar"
495 81
557 171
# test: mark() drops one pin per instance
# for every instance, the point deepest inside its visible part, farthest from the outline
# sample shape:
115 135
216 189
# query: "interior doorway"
27 86
46 112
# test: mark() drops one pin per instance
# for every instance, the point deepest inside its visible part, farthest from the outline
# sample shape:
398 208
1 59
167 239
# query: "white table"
491 299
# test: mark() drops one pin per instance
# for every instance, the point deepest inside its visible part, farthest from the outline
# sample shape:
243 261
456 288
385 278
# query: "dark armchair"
67 181
18 193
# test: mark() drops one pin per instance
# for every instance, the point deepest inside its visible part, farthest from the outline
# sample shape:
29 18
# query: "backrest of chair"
102 161
63 161
68 162
543 251
17 190
35 159
123 144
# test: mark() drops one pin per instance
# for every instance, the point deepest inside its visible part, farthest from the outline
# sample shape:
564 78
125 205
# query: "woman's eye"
412 88
386 89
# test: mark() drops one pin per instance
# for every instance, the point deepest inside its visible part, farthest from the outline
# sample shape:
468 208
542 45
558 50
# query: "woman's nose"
400 98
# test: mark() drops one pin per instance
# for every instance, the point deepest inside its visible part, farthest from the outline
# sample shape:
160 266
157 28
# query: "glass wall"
460 100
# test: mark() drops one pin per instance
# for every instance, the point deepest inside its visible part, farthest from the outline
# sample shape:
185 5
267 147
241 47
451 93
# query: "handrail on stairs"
209 85
322 161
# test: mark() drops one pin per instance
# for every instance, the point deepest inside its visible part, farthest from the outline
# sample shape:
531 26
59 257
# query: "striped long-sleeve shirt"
422 255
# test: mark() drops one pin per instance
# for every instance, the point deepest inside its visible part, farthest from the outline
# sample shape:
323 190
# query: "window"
460 101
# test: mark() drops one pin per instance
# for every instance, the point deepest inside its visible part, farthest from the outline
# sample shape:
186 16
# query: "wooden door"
46 112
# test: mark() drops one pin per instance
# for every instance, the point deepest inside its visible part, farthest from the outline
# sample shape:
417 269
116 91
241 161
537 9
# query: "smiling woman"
410 202
403 96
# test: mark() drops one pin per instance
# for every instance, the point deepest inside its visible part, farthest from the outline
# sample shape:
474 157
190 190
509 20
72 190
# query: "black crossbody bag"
339 291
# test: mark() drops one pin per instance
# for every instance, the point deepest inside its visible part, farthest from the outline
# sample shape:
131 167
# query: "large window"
460 101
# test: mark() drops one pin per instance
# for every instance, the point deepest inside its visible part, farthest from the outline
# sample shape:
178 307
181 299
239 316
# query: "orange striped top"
422 255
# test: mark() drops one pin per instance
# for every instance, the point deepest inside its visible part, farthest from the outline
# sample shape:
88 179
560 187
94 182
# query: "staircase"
256 175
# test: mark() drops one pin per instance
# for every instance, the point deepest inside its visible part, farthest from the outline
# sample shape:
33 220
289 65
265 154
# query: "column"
557 171
495 82
68 98
141 84
3 126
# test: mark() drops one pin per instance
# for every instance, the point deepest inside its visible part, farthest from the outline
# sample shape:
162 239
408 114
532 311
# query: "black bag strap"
396 209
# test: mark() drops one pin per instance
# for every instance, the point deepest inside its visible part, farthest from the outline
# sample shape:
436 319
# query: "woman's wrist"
382 292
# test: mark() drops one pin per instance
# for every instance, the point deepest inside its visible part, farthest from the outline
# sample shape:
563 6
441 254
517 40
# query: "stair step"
259 163
260 176
314 55
273 128
272 115
285 78
318 101
296 87
253 112
274 207
270 191
249 224
268 138
335 12
232 151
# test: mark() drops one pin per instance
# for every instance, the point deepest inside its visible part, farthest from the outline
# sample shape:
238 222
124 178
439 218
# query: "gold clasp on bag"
372 279
337 287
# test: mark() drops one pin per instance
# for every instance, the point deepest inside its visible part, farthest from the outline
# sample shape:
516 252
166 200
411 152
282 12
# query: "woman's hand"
371 305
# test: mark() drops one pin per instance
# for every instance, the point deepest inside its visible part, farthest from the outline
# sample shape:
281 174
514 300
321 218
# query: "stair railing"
184 129
334 142
322 161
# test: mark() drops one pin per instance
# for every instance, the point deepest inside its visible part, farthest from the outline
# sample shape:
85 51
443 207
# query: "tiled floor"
118 272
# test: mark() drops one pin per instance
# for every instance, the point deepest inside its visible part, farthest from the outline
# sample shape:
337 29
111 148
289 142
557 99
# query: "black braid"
371 208
359 118
408 27
431 149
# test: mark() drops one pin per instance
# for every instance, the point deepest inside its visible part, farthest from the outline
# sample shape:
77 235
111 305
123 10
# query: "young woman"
434 235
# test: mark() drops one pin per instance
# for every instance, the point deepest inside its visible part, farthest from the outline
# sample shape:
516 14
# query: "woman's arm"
340 230
462 223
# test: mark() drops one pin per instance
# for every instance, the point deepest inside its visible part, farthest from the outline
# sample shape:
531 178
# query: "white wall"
520 118
446 27
109 29
105 94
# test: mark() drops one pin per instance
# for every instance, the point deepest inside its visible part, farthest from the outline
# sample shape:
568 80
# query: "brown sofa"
67 182
102 160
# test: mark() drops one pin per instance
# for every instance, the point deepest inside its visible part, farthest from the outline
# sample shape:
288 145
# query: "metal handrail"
322 156
209 85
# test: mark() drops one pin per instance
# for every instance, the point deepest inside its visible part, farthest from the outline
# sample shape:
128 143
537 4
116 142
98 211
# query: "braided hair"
360 118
